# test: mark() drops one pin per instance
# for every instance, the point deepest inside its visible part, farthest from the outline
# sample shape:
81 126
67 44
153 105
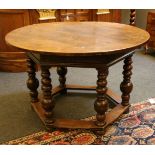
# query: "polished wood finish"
32 82
62 71
96 45
78 38
150 27
11 59
47 101
101 103
126 85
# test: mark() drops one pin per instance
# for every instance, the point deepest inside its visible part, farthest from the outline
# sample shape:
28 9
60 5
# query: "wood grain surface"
78 38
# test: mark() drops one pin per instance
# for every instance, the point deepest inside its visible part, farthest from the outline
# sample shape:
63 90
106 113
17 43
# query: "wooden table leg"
126 85
47 101
32 82
62 71
101 103
146 49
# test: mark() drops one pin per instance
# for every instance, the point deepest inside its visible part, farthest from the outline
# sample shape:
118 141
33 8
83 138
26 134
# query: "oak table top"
78 38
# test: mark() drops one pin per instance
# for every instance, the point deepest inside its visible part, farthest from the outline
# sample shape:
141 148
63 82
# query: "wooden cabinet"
151 29
114 15
13 60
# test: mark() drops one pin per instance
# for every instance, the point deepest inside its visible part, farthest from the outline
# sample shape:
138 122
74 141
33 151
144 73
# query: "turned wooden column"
101 103
47 101
62 71
32 82
132 17
126 85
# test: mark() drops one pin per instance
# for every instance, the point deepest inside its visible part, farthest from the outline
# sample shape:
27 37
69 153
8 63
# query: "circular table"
96 45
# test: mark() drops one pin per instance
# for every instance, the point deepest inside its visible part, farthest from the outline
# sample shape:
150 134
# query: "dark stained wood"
80 87
84 61
32 82
62 71
11 59
101 103
78 38
126 85
150 27
47 101
133 17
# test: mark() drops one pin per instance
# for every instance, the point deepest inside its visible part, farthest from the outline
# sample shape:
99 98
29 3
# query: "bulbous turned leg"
47 101
32 82
62 71
126 85
101 103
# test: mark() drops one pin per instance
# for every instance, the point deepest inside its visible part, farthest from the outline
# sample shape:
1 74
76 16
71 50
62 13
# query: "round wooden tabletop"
78 38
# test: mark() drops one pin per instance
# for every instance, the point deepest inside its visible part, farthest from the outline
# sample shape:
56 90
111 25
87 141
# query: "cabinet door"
73 15
12 59
150 27
114 15
10 20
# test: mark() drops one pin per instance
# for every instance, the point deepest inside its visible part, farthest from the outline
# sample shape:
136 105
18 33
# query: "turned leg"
101 103
62 71
126 85
47 101
132 17
32 82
